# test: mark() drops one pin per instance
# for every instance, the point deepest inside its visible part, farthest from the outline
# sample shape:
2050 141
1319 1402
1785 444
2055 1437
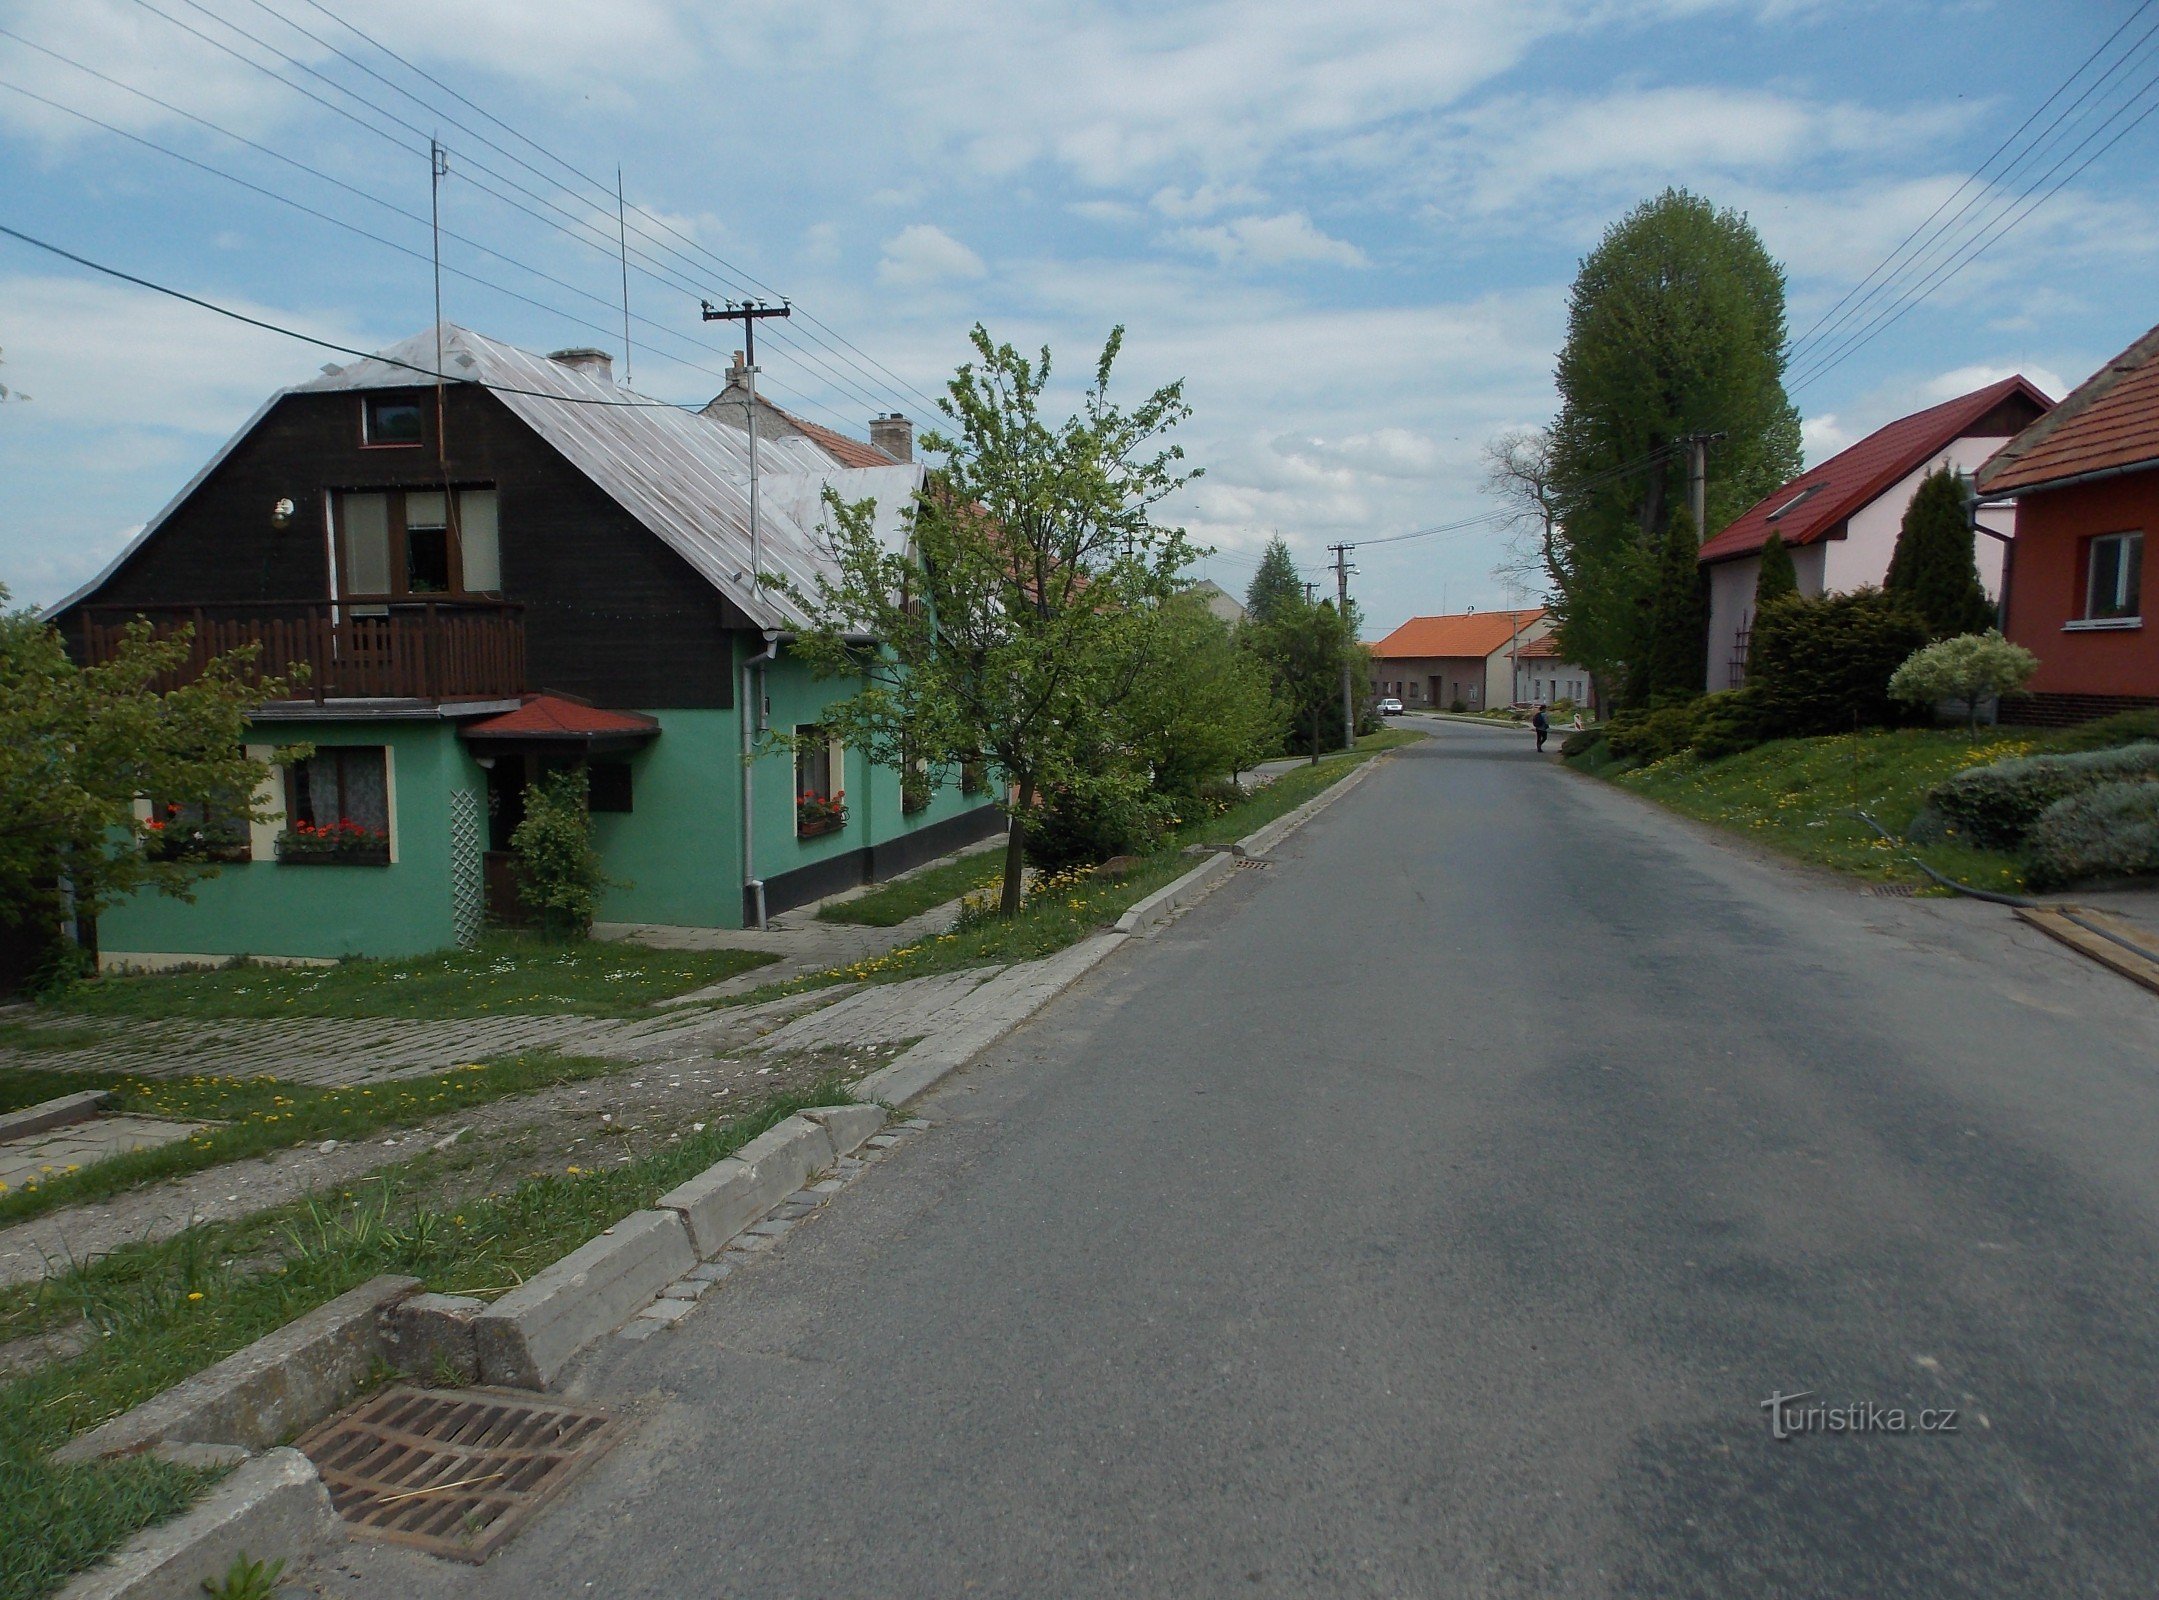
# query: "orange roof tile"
1544 649
1472 633
1815 504
2109 421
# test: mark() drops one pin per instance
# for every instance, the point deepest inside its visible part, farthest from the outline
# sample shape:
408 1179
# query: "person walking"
1543 725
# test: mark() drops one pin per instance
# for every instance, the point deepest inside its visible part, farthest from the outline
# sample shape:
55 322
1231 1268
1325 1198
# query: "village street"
1431 1213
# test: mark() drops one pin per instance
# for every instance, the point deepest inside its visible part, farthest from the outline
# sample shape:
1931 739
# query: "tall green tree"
1776 577
1675 326
1275 586
1202 706
1018 622
1934 573
1673 664
1305 647
81 746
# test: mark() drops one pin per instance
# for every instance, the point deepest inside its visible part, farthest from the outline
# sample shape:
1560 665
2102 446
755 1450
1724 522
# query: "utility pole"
622 244
1342 570
748 313
1698 480
438 168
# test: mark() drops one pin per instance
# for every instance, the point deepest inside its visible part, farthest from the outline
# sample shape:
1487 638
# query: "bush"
2124 727
2109 831
1458 704
1970 667
1998 804
1730 723
1088 822
1581 742
558 871
1823 666
1653 734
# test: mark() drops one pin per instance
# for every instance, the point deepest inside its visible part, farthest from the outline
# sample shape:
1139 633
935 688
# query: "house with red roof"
1461 661
1840 519
1543 676
2083 482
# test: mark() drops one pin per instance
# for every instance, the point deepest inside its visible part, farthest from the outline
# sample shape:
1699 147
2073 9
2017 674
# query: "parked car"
1389 706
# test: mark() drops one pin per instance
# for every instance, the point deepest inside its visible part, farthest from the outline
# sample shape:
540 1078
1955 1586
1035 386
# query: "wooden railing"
417 650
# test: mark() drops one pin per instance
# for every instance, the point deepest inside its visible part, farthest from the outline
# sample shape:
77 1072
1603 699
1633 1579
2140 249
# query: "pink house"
1840 519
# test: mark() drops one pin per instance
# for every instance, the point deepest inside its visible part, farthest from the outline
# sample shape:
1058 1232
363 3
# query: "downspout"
753 684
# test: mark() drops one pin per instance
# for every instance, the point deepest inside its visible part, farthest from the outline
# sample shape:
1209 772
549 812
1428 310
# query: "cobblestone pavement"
803 944
80 1143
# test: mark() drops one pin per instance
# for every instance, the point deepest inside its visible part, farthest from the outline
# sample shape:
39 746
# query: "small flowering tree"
1970 667
558 871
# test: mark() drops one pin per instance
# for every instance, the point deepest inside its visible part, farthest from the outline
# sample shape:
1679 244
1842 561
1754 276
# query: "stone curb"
1194 885
47 1115
732 1193
525 1338
1262 839
284 1382
273 1507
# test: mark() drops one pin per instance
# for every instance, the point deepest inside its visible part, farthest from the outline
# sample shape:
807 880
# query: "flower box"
375 856
336 844
817 814
816 827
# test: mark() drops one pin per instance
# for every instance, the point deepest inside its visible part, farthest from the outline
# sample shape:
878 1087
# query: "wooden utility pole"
1342 570
1698 480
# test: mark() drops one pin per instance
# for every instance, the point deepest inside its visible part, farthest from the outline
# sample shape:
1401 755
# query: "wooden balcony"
405 650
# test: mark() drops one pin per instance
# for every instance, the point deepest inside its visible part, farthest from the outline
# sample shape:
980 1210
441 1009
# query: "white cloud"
922 254
1111 211
1269 241
1963 380
1204 201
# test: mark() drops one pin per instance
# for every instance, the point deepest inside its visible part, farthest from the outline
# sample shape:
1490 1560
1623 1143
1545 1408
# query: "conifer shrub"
1823 666
1998 804
2108 831
1730 723
1657 731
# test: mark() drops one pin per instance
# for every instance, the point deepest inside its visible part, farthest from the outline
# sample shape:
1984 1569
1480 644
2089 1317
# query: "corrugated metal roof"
683 475
1471 633
1815 504
2110 420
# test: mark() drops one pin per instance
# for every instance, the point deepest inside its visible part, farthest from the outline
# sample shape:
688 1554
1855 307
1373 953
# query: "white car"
1389 706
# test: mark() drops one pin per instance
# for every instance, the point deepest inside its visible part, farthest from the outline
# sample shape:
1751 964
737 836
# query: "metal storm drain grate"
1252 864
453 1472
1892 891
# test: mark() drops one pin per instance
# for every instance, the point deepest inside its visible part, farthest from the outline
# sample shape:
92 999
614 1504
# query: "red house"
2084 479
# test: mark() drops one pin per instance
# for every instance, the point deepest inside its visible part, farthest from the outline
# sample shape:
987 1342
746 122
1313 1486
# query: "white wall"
1731 609
1862 556
1499 665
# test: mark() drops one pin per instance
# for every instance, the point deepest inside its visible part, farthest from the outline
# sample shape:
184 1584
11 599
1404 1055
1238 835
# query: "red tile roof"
1473 633
2110 420
848 452
1815 504
1544 649
550 716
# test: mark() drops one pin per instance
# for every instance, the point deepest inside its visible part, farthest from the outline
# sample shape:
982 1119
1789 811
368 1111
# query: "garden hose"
2010 899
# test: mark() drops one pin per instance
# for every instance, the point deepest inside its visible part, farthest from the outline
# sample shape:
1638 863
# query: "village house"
2083 481
1460 662
1840 520
1544 676
529 568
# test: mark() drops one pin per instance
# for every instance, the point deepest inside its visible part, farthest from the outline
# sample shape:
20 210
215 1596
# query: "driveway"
1431 1214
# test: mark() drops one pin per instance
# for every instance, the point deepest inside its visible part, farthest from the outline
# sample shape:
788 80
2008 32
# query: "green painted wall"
265 908
678 850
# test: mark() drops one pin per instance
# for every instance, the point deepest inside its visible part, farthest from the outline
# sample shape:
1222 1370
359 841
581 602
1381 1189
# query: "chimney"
593 363
738 375
894 435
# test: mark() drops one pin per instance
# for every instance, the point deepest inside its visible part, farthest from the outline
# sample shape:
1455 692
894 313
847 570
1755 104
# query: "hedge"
2109 831
1998 804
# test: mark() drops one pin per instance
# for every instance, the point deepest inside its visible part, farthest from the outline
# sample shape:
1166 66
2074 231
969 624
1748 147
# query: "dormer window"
1796 501
388 421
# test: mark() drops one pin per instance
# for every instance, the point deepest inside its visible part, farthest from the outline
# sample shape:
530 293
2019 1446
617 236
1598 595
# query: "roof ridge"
2132 358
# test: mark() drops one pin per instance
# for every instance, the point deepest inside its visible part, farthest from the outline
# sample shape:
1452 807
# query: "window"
389 421
2114 577
820 801
337 806
195 830
401 544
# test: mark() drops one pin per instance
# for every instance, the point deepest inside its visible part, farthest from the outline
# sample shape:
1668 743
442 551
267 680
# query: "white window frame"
2093 619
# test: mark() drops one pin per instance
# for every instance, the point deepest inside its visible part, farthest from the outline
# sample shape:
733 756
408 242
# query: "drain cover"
1892 891
453 1472
1253 864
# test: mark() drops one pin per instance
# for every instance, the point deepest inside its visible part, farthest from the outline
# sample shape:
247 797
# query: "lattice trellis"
468 887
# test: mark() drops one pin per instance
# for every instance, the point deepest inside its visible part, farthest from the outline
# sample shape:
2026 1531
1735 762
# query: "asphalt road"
1430 1215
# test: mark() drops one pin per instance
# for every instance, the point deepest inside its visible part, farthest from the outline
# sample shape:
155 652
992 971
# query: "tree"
1674 662
80 746
1304 648
1675 326
1201 707
1776 577
1518 473
1971 667
1017 622
1933 571
1276 584
558 871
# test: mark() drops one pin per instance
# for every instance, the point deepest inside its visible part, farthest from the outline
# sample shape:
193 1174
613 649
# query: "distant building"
1543 676
1840 520
1218 600
2084 480
1435 663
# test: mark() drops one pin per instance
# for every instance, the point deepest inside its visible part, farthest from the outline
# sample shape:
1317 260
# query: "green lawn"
1798 797
893 903
506 973
256 1115
167 1310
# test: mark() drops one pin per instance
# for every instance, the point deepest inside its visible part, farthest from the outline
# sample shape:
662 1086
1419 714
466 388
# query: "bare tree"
1518 472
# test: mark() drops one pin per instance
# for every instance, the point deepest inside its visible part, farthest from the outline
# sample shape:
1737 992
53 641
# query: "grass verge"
894 902
253 1116
505 974
1064 910
162 1312
1798 796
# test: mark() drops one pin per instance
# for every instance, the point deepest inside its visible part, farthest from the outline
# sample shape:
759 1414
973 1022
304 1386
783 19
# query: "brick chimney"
894 435
594 363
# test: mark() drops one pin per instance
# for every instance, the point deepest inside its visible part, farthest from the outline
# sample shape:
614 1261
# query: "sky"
1350 229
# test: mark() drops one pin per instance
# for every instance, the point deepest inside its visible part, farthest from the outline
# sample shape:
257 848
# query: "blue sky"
1350 228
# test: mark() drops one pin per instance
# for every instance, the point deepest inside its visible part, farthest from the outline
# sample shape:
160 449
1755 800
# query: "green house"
468 585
